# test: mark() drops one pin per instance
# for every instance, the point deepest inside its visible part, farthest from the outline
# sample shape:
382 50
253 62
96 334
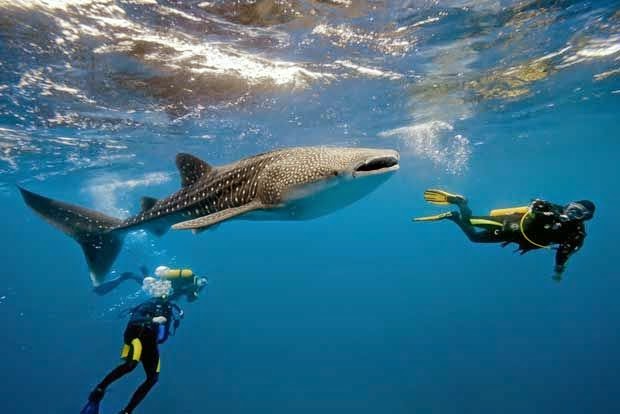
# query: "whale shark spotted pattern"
286 184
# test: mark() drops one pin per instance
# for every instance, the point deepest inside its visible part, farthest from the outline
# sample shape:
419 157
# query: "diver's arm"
163 328
567 248
160 320
164 322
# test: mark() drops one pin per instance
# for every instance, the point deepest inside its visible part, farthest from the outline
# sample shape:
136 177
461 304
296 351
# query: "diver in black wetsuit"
151 323
540 225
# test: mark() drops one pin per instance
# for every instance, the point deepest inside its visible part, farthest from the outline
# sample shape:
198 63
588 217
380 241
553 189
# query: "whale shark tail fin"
94 231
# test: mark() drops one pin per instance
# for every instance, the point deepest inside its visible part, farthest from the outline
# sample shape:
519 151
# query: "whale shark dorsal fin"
191 168
147 203
201 223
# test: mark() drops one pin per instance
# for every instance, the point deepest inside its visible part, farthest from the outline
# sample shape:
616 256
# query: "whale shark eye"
335 173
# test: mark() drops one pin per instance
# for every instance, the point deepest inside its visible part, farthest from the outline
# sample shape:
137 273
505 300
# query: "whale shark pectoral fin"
211 227
209 220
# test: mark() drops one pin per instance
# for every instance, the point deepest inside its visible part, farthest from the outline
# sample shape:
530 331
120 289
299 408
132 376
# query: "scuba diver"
184 282
150 324
539 225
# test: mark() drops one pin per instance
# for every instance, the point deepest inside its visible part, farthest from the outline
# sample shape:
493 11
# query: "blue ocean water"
358 311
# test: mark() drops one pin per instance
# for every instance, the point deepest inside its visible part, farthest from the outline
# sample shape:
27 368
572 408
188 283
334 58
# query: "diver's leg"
141 392
131 353
117 373
97 394
136 278
464 210
144 271
473 234
150 361
463 219
107 287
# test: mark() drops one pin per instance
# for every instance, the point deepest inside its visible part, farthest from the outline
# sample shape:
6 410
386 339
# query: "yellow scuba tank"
164 272
509 211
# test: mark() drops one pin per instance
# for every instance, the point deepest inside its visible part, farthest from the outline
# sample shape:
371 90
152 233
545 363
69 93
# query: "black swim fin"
94 399
91 407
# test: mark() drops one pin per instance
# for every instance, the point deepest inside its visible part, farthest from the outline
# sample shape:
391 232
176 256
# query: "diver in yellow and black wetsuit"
539 225
150 324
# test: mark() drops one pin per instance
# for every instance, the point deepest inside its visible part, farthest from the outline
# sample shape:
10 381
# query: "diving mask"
579 210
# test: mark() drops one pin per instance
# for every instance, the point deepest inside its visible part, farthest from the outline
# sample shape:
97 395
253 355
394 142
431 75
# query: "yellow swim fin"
442 198
437 217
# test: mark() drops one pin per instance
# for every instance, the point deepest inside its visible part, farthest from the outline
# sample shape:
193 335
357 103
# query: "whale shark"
298 183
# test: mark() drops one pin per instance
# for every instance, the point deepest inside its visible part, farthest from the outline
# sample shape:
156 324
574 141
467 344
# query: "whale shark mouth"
377 165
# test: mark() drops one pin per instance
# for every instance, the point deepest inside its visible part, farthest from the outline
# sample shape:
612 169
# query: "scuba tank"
165 273
184 281
509 211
